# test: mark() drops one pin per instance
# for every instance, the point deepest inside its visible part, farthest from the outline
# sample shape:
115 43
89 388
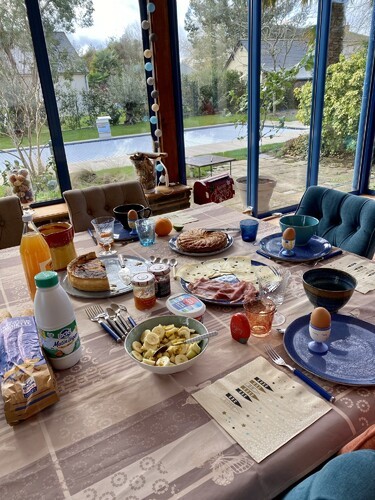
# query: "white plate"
112 266
173 246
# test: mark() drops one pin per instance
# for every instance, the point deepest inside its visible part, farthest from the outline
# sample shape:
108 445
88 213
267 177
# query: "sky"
111 17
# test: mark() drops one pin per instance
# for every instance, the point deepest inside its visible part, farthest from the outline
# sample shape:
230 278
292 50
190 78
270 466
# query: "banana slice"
160 332
148 362
184 332
137 356
143 336
152 338
180 358
148 354
163 361
195 347
146 346
137 346
191 354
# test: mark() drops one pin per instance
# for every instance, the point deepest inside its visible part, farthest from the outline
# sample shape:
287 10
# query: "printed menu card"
261 406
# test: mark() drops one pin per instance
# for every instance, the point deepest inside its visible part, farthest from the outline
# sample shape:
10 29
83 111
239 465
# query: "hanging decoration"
161 169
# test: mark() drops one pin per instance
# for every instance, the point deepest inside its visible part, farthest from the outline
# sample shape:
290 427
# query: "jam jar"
162 279
144 290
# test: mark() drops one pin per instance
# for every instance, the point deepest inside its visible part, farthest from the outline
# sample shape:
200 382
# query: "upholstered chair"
89 203
346 220
10 221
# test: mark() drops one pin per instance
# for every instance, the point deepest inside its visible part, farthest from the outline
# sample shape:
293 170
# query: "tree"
21 105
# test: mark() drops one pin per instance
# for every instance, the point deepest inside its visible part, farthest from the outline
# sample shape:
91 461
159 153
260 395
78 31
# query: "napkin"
362 269
261 407
178 218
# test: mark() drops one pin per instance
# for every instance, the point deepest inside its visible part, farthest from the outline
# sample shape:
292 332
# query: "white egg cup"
319 336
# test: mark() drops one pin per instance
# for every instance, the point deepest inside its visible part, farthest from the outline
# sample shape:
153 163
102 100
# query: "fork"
278 360
94 314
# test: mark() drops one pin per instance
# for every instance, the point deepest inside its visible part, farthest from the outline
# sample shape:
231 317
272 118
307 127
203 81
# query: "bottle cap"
185 304
27 217
46 279
143 279
159 269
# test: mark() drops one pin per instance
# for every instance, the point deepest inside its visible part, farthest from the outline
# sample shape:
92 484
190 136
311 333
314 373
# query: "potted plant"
266 185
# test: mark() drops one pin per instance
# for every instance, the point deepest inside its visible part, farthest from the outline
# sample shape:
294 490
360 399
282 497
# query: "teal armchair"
346 220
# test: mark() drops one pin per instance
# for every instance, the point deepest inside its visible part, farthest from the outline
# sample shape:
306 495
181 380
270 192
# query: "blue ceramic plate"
228 278
121 234
316 248
173 246
351 350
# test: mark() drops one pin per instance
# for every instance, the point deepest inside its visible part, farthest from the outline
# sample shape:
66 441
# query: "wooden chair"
89 203
10 221
346 220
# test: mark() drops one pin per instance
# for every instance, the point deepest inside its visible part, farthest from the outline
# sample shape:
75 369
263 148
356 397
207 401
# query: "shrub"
342 104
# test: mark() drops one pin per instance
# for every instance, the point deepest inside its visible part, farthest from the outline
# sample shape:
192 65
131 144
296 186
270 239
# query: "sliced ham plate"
221 290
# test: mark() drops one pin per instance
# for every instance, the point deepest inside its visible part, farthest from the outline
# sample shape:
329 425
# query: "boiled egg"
289 234
320 318
132 215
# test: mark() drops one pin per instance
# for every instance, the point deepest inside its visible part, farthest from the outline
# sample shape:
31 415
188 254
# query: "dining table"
120 431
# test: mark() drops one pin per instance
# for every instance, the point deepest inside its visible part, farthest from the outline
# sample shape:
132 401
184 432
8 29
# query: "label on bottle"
46 265
61 342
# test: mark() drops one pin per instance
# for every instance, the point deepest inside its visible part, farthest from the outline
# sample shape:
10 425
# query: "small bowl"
178 227
136 332
305 226
329 288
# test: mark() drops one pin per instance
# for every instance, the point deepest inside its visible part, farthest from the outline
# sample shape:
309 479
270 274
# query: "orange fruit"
163 226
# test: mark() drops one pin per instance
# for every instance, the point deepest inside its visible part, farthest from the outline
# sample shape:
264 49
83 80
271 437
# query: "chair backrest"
346 220
10 221
89 203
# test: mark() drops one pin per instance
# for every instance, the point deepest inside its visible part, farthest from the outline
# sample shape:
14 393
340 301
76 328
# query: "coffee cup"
121 213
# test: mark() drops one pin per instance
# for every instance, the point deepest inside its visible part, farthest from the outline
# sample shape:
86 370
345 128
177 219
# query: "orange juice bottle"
35 252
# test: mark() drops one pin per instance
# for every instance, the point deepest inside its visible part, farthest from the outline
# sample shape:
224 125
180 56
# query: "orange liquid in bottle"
36 257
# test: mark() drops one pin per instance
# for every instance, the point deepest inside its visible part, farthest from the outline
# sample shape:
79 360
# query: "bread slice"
88 273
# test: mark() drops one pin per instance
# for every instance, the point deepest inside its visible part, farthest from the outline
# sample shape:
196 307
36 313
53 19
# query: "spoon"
192 340
120 307
155 260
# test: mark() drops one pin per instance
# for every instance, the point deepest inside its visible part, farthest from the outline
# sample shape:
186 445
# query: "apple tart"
88 273
201 241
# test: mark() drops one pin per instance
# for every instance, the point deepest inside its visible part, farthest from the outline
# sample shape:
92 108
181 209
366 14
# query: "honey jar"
144 290
59 237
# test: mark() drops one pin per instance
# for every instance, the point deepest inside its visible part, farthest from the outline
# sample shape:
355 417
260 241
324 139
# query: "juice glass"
260 313
35 256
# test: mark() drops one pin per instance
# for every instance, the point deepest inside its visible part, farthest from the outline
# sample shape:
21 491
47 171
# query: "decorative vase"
145 170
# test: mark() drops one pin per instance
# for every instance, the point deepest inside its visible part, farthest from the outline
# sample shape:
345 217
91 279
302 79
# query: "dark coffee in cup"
121 213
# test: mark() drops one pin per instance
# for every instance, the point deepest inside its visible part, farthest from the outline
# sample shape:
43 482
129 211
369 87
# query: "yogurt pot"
185 304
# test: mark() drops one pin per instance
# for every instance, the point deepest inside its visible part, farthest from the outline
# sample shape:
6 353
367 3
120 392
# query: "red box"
214 189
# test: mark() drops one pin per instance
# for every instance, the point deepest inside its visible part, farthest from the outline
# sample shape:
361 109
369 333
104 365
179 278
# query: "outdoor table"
208 161
119 431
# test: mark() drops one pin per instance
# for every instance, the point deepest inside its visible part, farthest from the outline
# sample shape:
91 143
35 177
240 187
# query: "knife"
92 236
223 229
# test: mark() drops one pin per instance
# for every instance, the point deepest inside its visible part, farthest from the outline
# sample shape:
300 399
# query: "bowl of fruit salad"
147 337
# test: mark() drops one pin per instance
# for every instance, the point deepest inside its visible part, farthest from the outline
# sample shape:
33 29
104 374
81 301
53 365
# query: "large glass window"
347 52
27 163
98 70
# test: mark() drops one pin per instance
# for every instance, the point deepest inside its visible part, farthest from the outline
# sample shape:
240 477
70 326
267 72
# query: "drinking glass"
260 313
249 229
146 231
104 228
273 287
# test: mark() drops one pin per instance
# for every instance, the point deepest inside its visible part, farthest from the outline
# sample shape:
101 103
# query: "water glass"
104 228
274 288
249 229
260 313
146 231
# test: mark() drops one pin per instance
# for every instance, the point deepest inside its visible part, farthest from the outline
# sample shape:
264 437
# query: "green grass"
241 154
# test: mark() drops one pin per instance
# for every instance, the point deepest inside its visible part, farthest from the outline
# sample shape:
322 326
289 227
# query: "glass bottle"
56 322
35 252
144 290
